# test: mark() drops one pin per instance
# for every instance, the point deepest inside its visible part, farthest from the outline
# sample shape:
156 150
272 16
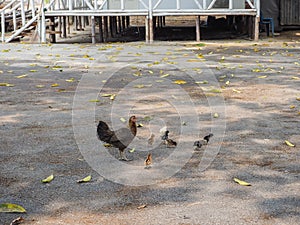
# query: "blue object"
269 22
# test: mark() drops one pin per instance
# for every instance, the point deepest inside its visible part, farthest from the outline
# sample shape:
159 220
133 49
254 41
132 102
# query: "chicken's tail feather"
103 132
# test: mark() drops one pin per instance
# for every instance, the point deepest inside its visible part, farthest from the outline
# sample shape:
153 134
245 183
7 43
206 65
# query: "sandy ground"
47 115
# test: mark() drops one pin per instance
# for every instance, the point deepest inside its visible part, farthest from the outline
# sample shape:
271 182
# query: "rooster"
120 138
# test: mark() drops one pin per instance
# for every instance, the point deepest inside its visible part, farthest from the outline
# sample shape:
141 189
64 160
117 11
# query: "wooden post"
105 30
52 30
100 29
256 28
147 29
93 24
127 21
198 32
64 31
123 23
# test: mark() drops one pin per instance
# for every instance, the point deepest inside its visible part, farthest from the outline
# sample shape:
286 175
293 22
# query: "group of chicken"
121 138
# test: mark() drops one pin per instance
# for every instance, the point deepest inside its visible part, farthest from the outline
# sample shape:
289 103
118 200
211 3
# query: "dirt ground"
246 93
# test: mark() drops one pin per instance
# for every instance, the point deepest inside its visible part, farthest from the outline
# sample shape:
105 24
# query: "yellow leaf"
112 97
235 90
140 125
32 71
107 145
227 82
202 82
216 115
40 86
292 106
289 143
132 150
86 179
215 91
137 74
165 75
142 207
6 50
295 78
11 208
139 86
298 99
22 76
240 182
256 70
261 77
179 82
91 58
71 80
123 120
7 85
193 60
54 85
200 56
48 179
94 100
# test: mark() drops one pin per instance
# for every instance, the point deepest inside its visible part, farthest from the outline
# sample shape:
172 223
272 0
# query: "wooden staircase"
18 18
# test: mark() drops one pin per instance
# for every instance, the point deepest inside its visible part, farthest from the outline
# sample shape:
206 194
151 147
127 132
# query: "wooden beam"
198 38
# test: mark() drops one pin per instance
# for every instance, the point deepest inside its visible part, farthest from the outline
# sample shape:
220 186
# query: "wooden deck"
113 15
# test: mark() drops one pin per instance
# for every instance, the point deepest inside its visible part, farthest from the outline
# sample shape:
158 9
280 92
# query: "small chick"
198 144
170 143
148 161
166 135
207 137
151 139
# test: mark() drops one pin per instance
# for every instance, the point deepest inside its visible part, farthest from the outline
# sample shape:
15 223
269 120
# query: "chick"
207 137
170 143
198 144
166 135
148 161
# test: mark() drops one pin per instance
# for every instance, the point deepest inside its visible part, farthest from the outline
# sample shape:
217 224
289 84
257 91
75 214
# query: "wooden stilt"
100 29
127 21
147 30
64 31
198 28
52 30
123 23
256 28
151 30
105 30
93 24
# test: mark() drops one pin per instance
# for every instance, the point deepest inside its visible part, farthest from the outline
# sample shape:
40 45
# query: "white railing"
147 8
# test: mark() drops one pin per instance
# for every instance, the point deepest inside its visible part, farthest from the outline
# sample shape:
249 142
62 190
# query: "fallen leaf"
261 77
107 145
289 143
48 179
71 80
240 182
165 75
179 82
216 115
54 85
235 90
298 99
94 100
131 150
123 120
139 86
227 82
202 82
140 125
150 71
295 78
39 86
292 106
142 207
22 76
215 91
7 85
11 208
32 71
86 179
